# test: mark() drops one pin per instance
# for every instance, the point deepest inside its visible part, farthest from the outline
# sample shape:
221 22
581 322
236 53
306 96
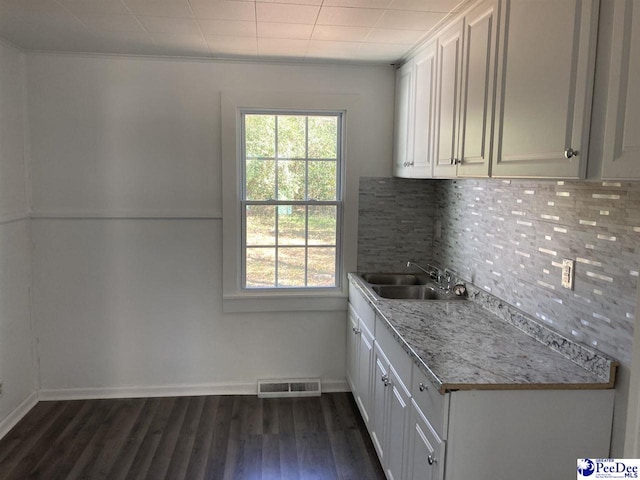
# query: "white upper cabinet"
621 147
424 111
403 135
449 57
480 43
544 87
465 93
415 91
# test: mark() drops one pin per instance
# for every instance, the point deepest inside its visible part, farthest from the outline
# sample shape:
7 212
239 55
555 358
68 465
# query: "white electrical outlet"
568 267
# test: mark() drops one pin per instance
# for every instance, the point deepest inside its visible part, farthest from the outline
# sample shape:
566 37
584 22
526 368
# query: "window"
291 199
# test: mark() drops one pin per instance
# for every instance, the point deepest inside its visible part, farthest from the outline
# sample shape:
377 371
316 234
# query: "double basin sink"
407 286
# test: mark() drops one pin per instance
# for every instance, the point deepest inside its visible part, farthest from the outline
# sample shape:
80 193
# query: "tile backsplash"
509 238
395 223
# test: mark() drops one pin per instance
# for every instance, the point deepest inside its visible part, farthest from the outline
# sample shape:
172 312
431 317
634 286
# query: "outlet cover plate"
568 267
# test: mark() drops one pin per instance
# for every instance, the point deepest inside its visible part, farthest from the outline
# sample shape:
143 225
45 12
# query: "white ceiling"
367 31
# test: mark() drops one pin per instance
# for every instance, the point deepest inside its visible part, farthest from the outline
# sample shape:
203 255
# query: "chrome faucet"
443 278
432 271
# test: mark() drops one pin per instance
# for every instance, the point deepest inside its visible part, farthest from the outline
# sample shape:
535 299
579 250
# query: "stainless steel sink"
394 278
407 286
414 292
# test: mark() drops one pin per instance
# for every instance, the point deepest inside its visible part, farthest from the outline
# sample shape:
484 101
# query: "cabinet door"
379 389
365 371
479 50
424 112
353 343
425 449
621 155
545 80
403 137
449 51
398 411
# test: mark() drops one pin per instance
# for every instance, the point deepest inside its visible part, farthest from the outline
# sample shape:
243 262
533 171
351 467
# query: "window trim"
234 298
338 202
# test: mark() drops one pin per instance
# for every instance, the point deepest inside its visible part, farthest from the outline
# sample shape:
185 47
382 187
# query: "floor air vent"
299 387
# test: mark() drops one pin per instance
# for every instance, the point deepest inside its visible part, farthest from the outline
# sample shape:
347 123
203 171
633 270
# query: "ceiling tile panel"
228 27
332 50
278 47
170 25
381 52
442 6
407 20
160 8
295 2
228 46
95 6
277 12
357 3
355 17
284 30
224 10
35 6
340 33
388 35
111 23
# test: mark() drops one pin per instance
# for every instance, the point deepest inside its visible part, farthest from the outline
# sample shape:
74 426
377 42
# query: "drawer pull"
422 387
431 460
356 330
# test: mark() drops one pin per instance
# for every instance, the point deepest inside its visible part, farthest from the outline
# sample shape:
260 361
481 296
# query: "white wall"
16 361
127 229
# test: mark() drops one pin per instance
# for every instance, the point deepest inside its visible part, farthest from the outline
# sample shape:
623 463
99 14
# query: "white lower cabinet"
422 434
360 362
391 401
426 450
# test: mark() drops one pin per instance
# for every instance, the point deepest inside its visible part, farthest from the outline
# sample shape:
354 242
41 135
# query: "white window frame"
236 298
338 202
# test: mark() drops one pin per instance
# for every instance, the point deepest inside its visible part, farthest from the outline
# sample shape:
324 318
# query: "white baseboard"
16 415
328 386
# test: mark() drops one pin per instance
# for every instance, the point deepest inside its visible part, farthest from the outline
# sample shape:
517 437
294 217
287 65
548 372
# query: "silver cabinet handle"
385 379
431 460
451 161
356 330
570 152
457 161
422 387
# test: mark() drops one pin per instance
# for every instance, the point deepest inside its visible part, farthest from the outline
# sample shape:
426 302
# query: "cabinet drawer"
393 350
431 402
363 309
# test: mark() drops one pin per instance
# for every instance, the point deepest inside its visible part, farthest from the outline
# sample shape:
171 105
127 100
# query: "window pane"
261 179
291 225
261 225
322 180
291 136
260 267
323 137
260 136
322 225
291 179
291 263
322 267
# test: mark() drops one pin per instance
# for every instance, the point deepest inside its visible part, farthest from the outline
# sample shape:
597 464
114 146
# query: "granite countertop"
462 345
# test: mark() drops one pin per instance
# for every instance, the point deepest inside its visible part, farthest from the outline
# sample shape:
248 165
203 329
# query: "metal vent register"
299 387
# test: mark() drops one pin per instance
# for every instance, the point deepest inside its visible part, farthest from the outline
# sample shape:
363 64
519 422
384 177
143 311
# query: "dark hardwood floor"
214 437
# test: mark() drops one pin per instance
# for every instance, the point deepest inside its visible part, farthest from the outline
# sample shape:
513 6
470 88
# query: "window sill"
279 302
